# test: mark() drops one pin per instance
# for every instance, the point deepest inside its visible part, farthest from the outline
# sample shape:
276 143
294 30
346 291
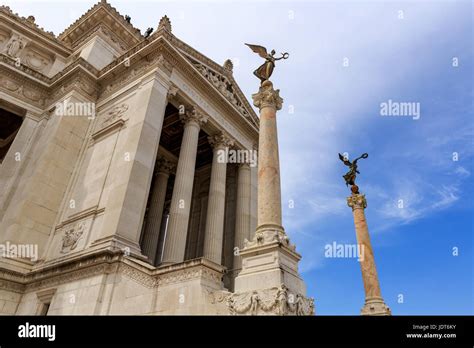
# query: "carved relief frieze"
19 89
273 301
112 119
188 274
224 86
15 45
37 60
137 275
221 78
113 115
72 235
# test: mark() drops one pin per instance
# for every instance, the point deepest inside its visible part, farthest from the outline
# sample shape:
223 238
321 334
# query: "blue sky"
337 109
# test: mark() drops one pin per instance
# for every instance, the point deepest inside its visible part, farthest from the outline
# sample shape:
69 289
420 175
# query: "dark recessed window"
9 126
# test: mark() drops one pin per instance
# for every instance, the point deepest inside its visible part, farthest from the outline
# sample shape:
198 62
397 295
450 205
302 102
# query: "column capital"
267 97
164 165
194 116
220 141
357 201
173 91
243 166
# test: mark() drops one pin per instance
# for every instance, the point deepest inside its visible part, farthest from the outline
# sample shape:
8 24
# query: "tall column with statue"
374 303
269 282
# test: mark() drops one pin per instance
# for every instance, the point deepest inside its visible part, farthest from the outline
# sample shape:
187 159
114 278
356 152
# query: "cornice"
40 90
96 15
21 69
106 262
103 31
20 86
30 24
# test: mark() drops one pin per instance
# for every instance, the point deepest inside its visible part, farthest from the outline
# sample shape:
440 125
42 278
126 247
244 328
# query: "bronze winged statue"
350 176
264 71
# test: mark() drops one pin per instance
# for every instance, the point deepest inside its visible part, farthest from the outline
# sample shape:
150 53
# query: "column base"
269 233
192 287
269 261
116 242
269 282
375 306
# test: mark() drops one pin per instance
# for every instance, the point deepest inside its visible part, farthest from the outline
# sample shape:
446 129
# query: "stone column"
269 261
155 209
161 240
254 198
268 101
214 232
183 186
374 303
242 213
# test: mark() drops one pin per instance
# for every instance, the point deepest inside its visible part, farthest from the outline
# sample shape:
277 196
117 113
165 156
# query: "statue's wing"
346 162
260 50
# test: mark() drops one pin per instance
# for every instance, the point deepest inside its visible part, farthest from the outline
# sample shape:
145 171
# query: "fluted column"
269 260
214 232
182 191
155 209
268 101
242 212
374 303
161 240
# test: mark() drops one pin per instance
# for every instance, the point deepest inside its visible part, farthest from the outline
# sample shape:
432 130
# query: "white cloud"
462 172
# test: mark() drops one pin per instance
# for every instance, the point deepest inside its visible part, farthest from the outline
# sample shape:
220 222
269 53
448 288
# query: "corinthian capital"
194 116
267 96
220 141
172 91
164 166
357 201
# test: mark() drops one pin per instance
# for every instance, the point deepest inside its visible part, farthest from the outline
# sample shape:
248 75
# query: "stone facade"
109 170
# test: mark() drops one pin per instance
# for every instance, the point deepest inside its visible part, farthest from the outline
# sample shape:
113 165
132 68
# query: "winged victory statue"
264 71
350 176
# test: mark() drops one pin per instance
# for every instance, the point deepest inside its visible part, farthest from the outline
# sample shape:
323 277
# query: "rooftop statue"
350 176
264 71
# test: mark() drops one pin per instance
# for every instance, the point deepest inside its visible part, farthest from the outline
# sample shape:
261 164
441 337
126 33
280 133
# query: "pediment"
219 77
226 86
105 19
